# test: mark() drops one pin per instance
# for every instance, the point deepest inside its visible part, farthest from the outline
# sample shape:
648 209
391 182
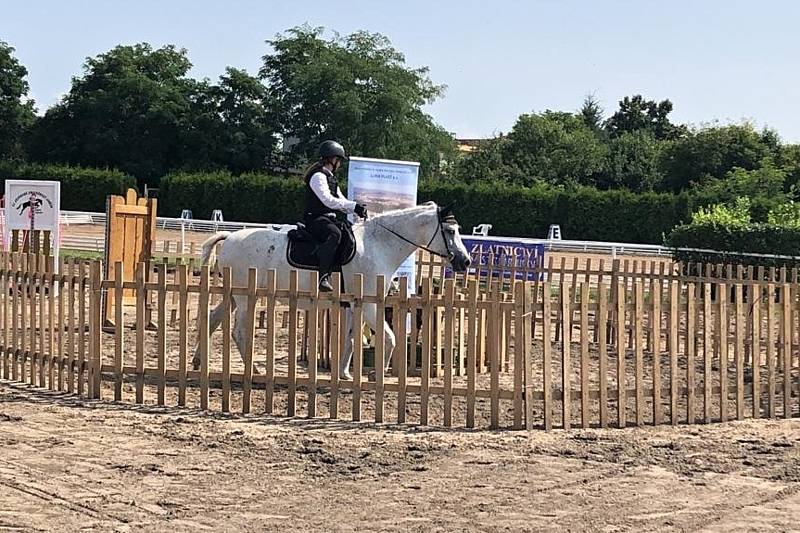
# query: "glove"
361 210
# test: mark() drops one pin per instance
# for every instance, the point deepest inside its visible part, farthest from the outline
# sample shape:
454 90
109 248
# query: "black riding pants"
328 234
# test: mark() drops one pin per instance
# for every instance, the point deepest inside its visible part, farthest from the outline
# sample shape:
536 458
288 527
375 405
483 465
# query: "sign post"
383 185
34 206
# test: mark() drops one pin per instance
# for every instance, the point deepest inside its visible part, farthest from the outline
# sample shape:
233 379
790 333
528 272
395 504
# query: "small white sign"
31 204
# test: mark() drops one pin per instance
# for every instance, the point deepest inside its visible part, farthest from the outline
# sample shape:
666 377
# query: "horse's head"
453 247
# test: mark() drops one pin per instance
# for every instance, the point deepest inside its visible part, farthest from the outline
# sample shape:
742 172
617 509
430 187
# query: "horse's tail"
210 243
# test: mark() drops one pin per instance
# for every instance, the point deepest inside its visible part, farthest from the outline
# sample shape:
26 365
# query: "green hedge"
733 242
244 198
82 189
583 213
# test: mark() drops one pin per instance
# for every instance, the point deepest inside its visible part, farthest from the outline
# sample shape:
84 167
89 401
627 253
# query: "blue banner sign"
504 257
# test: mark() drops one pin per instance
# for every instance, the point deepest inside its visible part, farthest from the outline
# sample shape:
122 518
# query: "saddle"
301 251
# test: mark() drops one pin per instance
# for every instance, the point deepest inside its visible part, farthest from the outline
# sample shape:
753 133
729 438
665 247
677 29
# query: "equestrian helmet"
331 149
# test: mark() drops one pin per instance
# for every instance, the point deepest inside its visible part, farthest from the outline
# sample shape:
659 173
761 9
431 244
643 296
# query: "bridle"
442 220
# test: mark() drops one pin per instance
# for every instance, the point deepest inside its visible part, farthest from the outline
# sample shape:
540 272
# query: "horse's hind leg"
214 320
240 330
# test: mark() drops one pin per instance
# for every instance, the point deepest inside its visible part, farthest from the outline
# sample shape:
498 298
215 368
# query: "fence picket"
449 294
183 312
639 344
722 336
674 325
13 352
161 337
755 347
787 348
655 342
32 355
71 327
472 346
584 320
51 322
118 331
496 333
707 348
291 401
249 339
402 347
82 344
227 306
203 334
269 389
426 354
739 346
566 362
521 396
358 352
379 348
771 346
622 396
547 380
601 321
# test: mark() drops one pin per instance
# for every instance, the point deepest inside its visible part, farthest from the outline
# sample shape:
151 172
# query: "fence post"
95 329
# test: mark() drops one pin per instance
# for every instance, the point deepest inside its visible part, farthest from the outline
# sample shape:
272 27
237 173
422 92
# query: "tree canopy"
16 110
356 89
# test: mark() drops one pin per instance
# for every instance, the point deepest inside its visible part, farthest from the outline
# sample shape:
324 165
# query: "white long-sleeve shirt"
319 184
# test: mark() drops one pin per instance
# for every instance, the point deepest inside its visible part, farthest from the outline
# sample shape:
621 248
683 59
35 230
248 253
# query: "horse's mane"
405 212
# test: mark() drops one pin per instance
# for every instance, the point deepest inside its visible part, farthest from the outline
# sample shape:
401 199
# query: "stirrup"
325 284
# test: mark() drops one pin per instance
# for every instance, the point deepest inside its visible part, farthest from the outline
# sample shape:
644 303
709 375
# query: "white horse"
383 242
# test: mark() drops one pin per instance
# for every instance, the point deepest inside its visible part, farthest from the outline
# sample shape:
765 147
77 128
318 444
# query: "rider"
324 200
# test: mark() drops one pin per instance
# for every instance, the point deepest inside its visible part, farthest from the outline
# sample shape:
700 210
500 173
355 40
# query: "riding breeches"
328 235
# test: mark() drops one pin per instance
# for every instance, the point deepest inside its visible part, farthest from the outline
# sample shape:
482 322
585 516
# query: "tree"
129 110
229 126
485 163
637 114
632 162
789 160
356 89
554 147
135 109
710 153
592 114
766 181
16 110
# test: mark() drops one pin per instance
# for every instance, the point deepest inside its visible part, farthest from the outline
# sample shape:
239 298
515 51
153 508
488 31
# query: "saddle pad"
302 254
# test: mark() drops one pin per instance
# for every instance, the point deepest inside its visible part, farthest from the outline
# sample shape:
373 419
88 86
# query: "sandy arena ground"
73 465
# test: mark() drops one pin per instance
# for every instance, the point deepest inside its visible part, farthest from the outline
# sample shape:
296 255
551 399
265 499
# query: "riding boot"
326 254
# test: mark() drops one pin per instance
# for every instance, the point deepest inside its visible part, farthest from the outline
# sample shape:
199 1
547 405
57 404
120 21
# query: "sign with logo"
33 205
504 256
383 185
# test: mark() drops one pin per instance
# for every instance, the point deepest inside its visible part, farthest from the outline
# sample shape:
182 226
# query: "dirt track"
71 465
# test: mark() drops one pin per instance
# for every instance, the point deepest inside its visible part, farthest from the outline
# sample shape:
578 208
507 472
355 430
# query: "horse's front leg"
347 354
375 322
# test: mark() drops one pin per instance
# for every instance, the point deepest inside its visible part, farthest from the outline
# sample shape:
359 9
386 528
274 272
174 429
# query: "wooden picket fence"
583 347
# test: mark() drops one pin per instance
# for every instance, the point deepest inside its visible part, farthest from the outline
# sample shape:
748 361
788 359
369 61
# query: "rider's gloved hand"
361 210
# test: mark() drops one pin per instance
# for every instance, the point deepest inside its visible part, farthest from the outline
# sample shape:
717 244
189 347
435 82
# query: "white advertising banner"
34 205
384 185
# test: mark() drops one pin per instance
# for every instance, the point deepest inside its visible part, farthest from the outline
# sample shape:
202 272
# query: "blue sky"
716 60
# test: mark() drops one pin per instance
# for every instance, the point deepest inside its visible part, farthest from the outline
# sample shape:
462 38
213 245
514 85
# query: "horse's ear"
446 210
